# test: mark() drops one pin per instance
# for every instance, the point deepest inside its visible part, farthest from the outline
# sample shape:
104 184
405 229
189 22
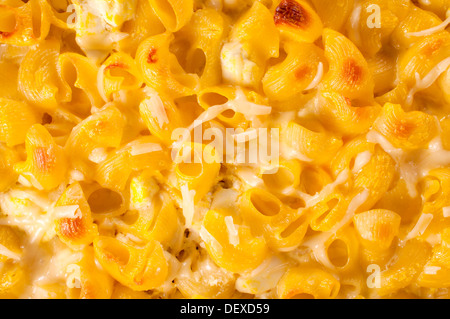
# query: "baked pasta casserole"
224 149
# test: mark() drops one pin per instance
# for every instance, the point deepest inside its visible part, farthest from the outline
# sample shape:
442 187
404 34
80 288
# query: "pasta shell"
349 72
307 283
15 120
138 268
39 79
411 130
250 251
46 164
76 231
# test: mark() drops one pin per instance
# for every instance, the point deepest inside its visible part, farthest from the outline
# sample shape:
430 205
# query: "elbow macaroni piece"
160 149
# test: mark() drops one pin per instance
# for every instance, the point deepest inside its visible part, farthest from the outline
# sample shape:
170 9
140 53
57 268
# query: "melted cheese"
145 148
188 204
157 109
263 278
319 75
428 80
237 68
210 239
431 270
233 234
98 155
413 165
420 227
361 160
71 211
4 251
430 31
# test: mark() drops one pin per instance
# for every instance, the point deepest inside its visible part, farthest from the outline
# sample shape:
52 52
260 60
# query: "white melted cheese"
431 270
240 105
413 166
4 251
361 160
156 107
237 68
188 204
233 234
210 240
430 31
145 148
263 278
316 244
420 227
319 75
428 80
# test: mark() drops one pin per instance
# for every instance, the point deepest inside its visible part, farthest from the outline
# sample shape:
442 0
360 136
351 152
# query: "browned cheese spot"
292 13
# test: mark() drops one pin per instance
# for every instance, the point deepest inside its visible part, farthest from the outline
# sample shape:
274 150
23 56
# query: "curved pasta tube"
138 28
297 21
287 177
25 25
254 39
11 242
410 261
283 227
161 69
220 95
302 67
349 72
143 153
353 156
406 130
79 230
173 14
158 222
15 120
329 211
316 143
422 57
8 158
376 177
435 273
9 74
46 164
383 67
343 251
118 72
93 281
197 168
399 200
371 34
376 229
39 78
77 73
338 115
100 131
161 116
234 249
13 279
306 283
416 20
205 33
138 268
200 277
326 9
